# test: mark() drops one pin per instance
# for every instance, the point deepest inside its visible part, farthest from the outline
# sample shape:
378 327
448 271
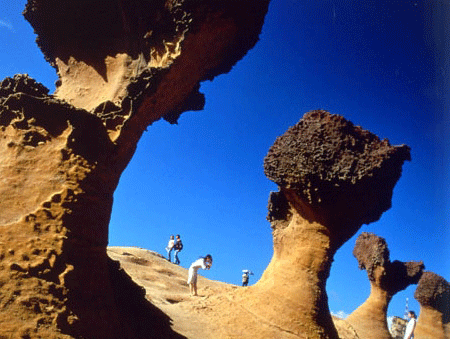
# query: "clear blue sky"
382 66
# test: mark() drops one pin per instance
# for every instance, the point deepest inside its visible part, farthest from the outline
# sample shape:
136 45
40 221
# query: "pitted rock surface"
386 279
433 294
122 65
372 252
331 163
434 291
332 177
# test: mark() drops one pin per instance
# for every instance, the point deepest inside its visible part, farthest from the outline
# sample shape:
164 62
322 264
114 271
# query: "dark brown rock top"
433 291
116 43
132 62
333 164
372 252
91 29
21 83
399 275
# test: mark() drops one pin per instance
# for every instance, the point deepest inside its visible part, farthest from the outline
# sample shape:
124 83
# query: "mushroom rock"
433 295
332 177
122 65
118 57
386 279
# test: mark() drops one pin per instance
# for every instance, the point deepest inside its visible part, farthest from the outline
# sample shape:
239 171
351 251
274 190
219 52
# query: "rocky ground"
167 289
215 313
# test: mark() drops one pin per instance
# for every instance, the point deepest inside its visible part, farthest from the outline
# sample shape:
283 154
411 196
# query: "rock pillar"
386 279
332 177
433 294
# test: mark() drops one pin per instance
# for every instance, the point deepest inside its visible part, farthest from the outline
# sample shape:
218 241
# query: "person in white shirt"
409 332
203 263
170 246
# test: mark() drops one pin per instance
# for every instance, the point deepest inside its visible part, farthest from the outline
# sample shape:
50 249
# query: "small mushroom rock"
386 279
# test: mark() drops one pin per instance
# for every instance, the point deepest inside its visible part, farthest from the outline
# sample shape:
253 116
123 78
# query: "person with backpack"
245 277
178 246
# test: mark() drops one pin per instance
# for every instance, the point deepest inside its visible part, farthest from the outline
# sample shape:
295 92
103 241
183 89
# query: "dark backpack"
178 245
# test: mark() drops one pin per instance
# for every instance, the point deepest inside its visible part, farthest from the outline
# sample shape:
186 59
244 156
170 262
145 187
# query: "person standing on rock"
246 277
170 246
204 263
177 247
409 332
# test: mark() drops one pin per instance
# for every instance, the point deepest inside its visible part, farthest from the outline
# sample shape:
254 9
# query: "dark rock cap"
333 164
371 251
434 291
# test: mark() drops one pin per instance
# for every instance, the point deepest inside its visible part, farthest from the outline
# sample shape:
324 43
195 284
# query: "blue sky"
382 66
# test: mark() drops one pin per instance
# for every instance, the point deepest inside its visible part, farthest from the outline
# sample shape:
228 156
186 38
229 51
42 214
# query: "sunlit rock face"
433 294
332 177
386 279
122 65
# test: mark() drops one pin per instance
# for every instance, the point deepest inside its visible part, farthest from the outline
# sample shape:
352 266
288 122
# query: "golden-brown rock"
433 294
386 279
333 177
122 65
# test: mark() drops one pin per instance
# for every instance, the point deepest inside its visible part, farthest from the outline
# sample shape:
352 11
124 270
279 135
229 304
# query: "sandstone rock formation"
216 314
333 177
433 294
386 279
122 65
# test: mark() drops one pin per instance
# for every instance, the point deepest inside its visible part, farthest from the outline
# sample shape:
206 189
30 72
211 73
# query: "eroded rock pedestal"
386 279
122 65
433 294
333 177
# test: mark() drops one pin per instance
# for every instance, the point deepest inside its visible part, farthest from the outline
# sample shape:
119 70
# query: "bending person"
204 263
